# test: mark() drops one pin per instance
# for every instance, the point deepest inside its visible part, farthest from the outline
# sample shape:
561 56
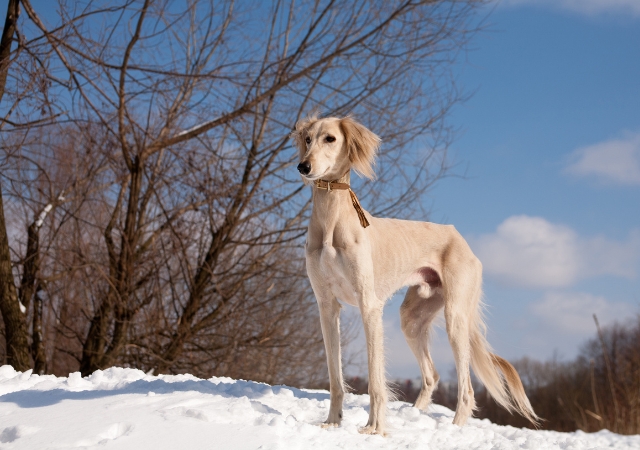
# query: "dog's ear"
362 146
299 132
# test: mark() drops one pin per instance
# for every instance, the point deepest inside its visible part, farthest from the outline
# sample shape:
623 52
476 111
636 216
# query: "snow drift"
127 409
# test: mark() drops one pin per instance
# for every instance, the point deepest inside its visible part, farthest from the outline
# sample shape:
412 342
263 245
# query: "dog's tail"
498 375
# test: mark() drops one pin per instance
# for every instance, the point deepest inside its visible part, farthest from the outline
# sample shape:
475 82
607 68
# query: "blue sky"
550 201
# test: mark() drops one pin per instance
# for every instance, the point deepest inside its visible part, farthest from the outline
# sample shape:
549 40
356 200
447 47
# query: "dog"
362 260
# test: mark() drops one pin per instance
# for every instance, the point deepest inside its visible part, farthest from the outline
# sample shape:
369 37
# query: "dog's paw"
370 429
334 419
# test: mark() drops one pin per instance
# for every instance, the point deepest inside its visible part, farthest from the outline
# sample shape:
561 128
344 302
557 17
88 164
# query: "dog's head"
330 147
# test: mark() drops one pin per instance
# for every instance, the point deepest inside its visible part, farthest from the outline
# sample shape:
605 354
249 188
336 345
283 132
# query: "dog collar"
336 184
330 185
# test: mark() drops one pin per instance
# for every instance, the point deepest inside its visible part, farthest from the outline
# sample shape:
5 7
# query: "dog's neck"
328 213
335 204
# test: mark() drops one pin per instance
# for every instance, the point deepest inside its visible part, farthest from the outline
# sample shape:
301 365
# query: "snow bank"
127 409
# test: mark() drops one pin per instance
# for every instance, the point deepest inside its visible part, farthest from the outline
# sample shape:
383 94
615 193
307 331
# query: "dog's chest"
328 268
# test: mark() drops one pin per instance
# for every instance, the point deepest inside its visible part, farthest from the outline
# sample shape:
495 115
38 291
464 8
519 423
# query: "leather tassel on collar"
356 204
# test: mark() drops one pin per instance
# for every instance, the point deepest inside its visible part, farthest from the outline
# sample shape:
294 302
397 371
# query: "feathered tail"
499 377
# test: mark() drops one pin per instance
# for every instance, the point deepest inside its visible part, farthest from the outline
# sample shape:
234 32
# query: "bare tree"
15 330
177 245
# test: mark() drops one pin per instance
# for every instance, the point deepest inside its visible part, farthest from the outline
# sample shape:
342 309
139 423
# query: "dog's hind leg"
416 316
462 291
330 322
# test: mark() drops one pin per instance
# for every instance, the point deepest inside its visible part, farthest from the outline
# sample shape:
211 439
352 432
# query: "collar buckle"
323 184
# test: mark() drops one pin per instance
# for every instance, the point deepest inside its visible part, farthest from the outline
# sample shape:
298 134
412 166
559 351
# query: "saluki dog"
362 260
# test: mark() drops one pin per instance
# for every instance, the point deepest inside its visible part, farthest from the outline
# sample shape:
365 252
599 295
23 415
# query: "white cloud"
529 251
587 7
572 312
532 252
615 161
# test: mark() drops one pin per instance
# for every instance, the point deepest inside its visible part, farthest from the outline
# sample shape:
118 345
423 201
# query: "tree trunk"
115 307
14 324
30 267
39 354
29 289
13 11
93 348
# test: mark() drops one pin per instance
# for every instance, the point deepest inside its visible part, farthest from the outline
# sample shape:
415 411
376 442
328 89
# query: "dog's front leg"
330 321
371 311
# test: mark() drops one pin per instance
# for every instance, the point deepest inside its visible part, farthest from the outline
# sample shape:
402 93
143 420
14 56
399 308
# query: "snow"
127 409
183 132
46 210
43 215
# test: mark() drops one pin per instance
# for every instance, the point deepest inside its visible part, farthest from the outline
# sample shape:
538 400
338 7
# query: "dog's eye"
308 140
330 139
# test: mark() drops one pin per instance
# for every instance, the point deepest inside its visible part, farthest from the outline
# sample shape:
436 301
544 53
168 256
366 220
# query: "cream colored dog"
364 265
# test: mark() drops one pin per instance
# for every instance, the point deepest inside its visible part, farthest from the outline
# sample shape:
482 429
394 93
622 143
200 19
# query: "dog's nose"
304 168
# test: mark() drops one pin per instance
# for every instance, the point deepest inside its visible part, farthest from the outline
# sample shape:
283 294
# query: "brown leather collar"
336 184
331 185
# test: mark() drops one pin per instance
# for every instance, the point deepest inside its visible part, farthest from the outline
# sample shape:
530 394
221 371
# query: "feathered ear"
299 132
362 146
